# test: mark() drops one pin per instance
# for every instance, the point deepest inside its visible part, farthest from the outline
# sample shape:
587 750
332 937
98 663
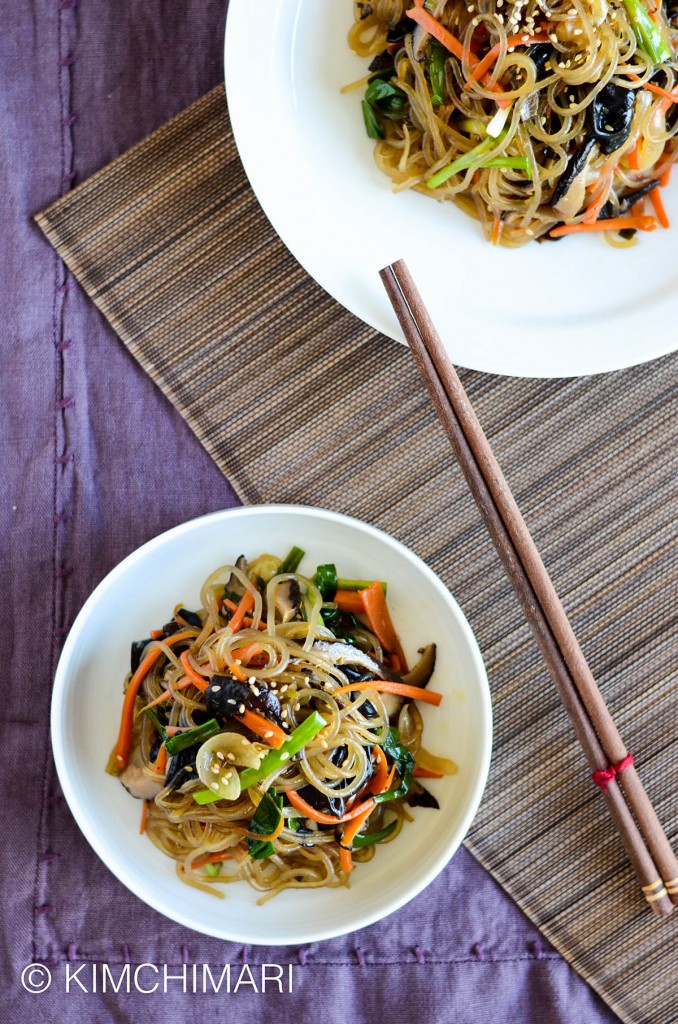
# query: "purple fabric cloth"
96 461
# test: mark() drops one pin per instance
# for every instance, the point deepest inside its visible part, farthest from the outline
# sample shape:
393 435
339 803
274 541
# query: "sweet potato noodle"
532 116
271 771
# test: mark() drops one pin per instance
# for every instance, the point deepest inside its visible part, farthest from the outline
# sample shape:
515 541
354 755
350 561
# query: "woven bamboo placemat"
297 401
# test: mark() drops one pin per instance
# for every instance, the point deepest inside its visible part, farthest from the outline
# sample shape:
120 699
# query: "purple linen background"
95 461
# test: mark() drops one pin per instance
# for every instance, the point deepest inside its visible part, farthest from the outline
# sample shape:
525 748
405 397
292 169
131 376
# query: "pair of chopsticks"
611 765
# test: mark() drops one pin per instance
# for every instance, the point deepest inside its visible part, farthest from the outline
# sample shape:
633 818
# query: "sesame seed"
220 755
188 768
255 690
283 688
578 32
241 709
230 700
285 756
609 128
471 8
571 97
238 661
475 21
216 688
500 3
573 104
573 12
226 777
553 37
230 757
297 706
215 785
268 734
215 769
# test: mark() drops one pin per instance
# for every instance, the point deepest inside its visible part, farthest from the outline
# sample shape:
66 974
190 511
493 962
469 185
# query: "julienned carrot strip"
245 654
156 634
640 223
183 683
401 689
488 60
345 860
664 177
424 773
497 225
633 156
144 817
198 681
124 741
160 765
300 805
349 601
658 205
604 184
379 618
671 96
354 826
261 726
212 858
450 42
246 605
235 670
247 621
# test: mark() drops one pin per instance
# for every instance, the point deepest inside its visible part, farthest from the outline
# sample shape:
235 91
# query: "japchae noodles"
540 118
273 736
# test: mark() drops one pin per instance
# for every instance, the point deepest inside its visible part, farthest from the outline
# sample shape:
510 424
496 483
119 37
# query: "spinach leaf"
264 822
326 581
404 762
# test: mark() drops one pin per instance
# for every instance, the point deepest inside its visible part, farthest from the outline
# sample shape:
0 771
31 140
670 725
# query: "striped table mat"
172 246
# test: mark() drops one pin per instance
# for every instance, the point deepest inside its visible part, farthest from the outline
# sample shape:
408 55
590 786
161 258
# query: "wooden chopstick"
646 845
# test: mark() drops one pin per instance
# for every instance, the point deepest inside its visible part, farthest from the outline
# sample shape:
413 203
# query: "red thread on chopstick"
607 775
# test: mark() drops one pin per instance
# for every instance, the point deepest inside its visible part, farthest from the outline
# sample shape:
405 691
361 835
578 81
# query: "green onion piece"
521 163
183 740
213 869
291 563
647 34
375 837
275 759
264 822
343 584
205 796
464 161
436 70
326 581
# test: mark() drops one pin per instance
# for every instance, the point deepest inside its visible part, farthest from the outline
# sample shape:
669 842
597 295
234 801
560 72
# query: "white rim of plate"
639 329
59 692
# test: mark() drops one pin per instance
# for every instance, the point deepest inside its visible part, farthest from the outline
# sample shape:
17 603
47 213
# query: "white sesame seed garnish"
216 688
220 755
230 700
226 777
241 709
188 768
268 734
230 757
283 689
215 768
215 786
578 32
285 756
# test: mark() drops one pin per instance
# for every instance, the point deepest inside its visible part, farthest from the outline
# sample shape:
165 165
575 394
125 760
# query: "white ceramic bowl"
139 594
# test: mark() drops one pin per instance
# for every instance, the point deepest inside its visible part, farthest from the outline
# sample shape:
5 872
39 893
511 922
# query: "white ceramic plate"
139 594
553 310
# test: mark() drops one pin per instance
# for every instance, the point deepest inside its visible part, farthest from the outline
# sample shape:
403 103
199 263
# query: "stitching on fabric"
374 961
63 402
418 952
360 956
302 956
535 949
478 951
